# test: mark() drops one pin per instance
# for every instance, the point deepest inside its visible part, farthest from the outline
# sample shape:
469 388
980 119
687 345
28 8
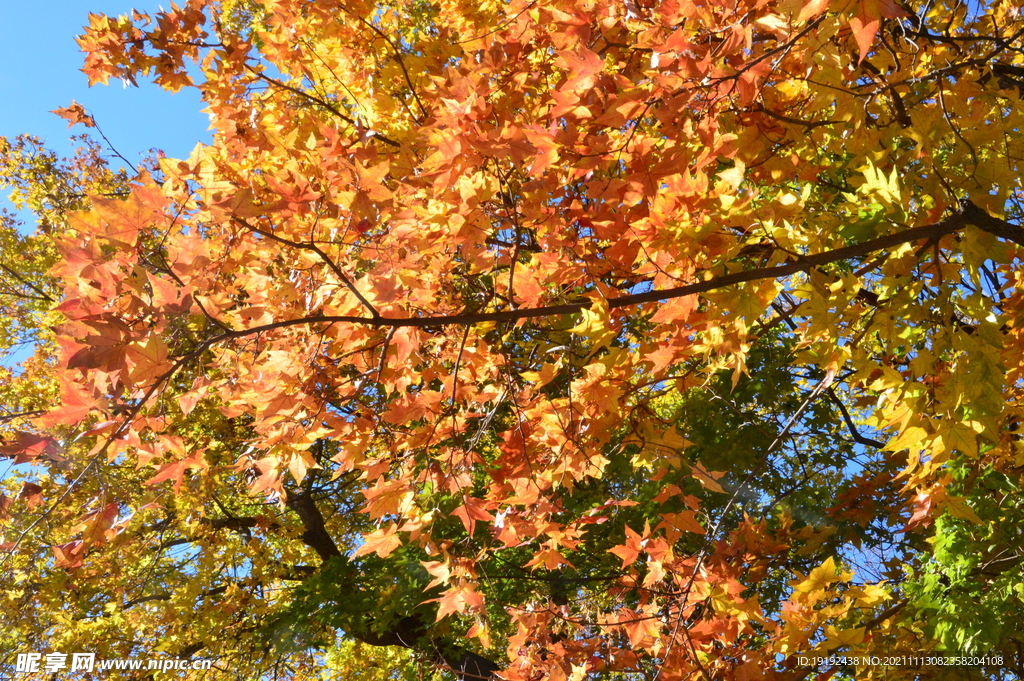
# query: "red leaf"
29 446
32 494
924 503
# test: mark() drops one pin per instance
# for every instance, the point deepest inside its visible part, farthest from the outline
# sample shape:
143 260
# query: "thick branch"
316 535
969 214
468 666
412 633
851 426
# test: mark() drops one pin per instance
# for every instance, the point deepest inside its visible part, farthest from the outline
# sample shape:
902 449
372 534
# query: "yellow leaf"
877 185
963 437
911 438
595 324
958 507
299 463
707 478
544 376
733 176
847 637
772 22
871 595
820 578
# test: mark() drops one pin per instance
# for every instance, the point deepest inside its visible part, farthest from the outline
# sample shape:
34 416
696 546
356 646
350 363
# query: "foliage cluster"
655 339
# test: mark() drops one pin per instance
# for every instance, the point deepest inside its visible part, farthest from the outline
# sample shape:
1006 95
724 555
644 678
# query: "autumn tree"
532 340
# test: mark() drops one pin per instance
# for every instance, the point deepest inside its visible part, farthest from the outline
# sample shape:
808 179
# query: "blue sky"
40 71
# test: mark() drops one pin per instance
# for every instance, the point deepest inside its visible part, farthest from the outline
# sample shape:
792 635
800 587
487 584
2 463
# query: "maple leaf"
819 578
76 403
27 446
147 361
438 570
95 524
708 479
382 542
175 471
870 595
386 497
685 521
811 9
31 494
629 551
865 23
470 512
923 505
959 508
583 65
643 631
458 599
509 260
69 556
836 638
550 559
75 114
595 324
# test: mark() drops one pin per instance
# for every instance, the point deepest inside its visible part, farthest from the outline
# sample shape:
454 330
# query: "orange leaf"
382 542
629 551
470 512
176 471
386 497
69 556
94 524
864 32
685 521
811 9
75 404
458 599
75 114
551 559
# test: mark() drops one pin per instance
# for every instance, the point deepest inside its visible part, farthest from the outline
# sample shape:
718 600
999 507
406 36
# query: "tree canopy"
539 340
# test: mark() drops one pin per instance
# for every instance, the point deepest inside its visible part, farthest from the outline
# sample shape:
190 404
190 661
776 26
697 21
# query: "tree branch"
969 214
850 425
324 103
349 284
316 535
